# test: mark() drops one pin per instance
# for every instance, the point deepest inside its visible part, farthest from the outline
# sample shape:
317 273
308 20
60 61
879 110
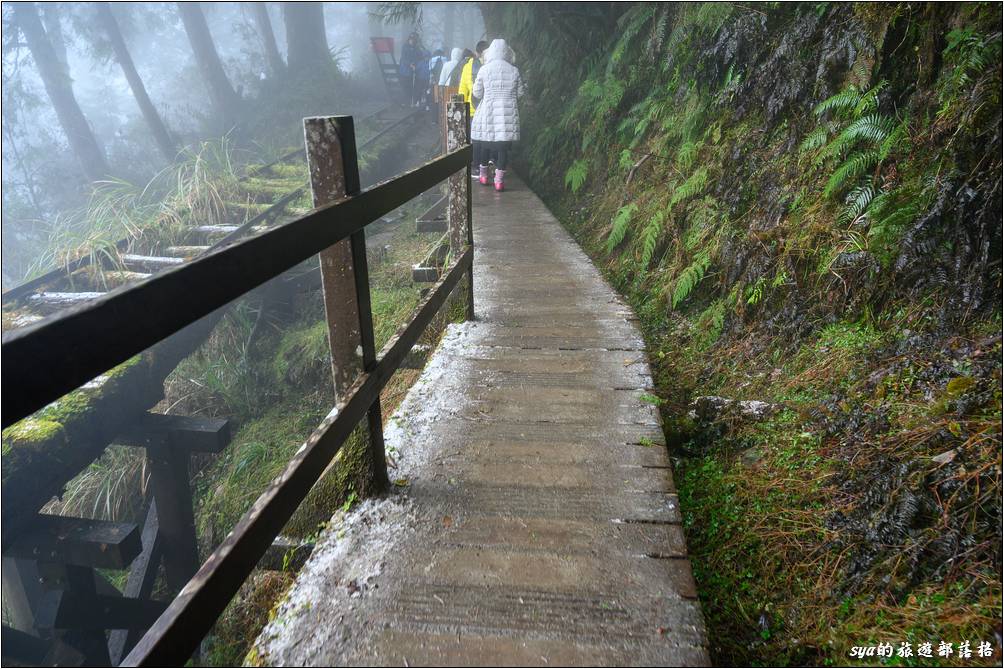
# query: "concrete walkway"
536 521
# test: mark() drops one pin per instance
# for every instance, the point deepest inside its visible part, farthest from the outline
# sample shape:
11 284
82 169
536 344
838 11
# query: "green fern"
650 238
694 185
874 128
814 139
619 226
853 168
856 203
626 160
686 155
576 175
841 102
689 278
710 322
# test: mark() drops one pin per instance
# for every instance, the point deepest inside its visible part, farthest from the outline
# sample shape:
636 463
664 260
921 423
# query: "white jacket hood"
448 66
499 50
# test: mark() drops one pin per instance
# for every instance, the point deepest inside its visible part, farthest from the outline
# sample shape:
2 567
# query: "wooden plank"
142 263
263 217
188 433
79 541
378 457
28 287
423 274
142 576
437 212
179 631
54 301
334 174
104 612
435 225
175 516
186 252
47 359
214 229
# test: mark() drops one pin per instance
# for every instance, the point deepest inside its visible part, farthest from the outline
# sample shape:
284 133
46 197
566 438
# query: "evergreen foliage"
619 226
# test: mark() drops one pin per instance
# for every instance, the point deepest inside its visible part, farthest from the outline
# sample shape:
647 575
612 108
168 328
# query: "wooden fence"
50 358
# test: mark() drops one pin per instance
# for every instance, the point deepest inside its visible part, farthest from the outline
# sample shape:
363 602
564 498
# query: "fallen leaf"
447 521
945 458
400 483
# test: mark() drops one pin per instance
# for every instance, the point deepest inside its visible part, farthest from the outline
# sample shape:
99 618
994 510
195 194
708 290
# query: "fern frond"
650 238
686 156
694 184
576 175
896 138
856 203
619 226
841 102
689 278
814 139
869 100
874 128
854 167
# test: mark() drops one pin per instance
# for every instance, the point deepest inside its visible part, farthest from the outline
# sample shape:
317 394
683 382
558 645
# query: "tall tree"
54 30
160 134
59 87
225 100
264 24
306 41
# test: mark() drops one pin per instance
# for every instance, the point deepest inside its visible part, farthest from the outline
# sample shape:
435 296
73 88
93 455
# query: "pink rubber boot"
499 181
483 174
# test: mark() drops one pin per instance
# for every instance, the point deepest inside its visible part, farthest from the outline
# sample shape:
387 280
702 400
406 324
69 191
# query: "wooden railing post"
334 173
459 199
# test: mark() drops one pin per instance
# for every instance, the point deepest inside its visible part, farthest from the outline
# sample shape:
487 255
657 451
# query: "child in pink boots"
495 125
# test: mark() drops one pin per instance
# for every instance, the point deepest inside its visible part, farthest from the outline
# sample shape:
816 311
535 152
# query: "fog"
48 179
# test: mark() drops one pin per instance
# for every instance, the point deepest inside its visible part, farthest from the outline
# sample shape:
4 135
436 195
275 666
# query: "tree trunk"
224 99
54 30
306 41
150 114
260 12
60 89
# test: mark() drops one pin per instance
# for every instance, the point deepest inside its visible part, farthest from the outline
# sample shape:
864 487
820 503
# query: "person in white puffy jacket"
495 125
447 72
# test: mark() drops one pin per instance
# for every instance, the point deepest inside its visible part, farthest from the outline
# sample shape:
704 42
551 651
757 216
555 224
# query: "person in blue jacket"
414 69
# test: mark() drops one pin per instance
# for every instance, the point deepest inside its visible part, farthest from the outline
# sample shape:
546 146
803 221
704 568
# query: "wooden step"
150 263
49 302
186 251
214 229
88 278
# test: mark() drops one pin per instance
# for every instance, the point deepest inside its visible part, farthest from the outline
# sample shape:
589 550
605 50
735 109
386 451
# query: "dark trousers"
497 152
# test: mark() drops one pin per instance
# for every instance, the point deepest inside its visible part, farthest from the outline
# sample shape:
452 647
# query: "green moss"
290 171
31 433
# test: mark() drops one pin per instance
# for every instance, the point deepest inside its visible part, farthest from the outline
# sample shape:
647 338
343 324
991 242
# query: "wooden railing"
55 356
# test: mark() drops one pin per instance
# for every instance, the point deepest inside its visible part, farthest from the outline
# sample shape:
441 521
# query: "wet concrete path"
536 521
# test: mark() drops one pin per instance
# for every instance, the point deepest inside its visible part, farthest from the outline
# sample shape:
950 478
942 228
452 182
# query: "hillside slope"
803 204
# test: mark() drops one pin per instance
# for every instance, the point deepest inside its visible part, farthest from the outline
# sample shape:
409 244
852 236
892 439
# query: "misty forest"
695 360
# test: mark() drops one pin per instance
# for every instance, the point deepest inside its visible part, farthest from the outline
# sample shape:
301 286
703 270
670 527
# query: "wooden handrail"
53 357
178 632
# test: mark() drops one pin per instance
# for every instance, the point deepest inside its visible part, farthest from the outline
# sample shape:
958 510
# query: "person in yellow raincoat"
469 73
467 76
